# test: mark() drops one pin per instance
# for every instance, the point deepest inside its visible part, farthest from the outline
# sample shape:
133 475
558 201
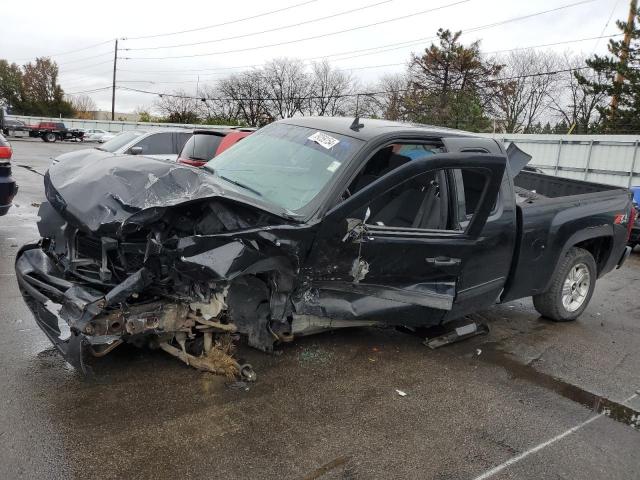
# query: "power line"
605 25
362 94
230 22
284 27
404 44
469 30
196 81
555 43
68 51
85 67
502 22
172 33
395 46
108 87
324 35
408 43
86 58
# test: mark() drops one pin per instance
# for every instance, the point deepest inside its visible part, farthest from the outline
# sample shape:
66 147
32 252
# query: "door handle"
443 261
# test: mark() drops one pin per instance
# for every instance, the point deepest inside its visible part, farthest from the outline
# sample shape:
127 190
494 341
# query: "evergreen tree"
625 117
450 85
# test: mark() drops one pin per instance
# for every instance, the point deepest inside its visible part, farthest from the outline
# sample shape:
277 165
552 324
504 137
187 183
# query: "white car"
160 143
97 135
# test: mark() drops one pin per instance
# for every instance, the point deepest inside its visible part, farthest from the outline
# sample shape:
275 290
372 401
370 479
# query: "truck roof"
372 127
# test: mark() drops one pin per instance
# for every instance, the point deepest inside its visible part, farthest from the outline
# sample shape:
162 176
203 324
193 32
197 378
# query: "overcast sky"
26 33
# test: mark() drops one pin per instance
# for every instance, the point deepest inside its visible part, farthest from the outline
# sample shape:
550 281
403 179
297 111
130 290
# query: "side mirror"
135 150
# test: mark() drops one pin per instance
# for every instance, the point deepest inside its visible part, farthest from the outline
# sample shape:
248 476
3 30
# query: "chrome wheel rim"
576 287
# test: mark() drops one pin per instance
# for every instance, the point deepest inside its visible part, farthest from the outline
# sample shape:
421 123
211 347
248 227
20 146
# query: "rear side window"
201 147
157 144
470 184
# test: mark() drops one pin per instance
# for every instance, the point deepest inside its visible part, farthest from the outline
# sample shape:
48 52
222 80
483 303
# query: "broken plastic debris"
401 393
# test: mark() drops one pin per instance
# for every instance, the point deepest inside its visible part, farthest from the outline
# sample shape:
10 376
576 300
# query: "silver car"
97 135
161 143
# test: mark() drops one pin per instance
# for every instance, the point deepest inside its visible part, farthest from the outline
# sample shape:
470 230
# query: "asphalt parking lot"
530 400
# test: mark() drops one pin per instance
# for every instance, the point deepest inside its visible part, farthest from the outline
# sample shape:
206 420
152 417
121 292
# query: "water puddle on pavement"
614 410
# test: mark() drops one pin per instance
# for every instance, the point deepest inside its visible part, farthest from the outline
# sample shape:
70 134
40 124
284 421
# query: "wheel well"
599 247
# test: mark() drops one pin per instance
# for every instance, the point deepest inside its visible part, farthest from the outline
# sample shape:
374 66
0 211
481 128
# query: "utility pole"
624 54
113 90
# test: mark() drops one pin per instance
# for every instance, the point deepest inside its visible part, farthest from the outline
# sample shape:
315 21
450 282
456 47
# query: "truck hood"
102 196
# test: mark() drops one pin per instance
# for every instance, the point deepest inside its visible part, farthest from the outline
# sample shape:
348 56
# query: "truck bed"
554 187
550 210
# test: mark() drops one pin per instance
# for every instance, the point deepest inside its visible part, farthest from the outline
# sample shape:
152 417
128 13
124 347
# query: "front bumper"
63 310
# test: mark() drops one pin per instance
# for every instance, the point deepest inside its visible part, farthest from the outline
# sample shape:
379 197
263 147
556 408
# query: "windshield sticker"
334 166
324 140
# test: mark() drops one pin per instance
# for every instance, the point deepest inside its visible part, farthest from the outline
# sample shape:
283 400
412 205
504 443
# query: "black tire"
550 303
50 137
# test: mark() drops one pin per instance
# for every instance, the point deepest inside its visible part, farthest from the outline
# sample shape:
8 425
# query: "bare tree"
522 95
218 109
578 103
330 90
179 107
388 101
287 86
84 106
248 90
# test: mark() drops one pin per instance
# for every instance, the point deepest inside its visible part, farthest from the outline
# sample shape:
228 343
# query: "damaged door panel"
412 244
304 226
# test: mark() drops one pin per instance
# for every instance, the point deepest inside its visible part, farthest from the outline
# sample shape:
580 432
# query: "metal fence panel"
608 159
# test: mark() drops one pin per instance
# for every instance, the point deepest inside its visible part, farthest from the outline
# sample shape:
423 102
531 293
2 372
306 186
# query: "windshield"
285 164
120 140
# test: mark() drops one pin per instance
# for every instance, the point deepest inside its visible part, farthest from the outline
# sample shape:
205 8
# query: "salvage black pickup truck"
310 224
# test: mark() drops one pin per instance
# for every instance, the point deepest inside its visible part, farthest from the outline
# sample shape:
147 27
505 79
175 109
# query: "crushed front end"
187 277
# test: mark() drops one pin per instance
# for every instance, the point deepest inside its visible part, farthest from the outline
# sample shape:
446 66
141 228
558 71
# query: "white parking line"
537 448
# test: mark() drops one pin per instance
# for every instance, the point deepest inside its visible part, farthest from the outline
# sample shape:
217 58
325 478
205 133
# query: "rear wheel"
50 137
571 287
